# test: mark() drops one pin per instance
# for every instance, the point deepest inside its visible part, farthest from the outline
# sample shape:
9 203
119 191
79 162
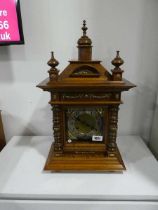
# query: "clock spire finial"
84 45
84 28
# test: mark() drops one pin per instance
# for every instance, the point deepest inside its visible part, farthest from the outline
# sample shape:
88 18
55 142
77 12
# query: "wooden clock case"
85 84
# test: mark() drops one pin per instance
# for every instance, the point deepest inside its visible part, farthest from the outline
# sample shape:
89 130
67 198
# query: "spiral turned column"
58 145
113 120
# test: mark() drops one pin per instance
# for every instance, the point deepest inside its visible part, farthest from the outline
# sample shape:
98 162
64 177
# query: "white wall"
130 26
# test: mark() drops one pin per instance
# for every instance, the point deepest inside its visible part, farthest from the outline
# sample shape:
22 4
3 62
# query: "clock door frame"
88 147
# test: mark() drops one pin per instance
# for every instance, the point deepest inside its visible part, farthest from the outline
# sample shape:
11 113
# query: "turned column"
113 120
53 76
58 144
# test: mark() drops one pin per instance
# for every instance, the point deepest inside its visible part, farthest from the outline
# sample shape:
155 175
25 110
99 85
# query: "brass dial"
84 124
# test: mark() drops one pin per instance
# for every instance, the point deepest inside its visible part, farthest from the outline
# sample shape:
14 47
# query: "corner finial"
84 28
117 61
52 62
117 71
53 72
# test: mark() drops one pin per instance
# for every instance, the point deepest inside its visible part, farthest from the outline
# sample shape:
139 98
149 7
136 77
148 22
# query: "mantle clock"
85 100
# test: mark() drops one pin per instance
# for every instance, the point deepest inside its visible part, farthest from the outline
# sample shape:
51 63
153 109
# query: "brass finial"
117 62
84 28
53 72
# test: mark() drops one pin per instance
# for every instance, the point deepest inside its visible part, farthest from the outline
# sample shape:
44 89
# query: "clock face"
85 124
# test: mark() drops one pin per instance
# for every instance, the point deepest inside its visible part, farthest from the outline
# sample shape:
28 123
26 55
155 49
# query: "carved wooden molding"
86 96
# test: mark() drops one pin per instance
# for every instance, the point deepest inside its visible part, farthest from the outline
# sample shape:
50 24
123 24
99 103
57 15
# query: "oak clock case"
85 99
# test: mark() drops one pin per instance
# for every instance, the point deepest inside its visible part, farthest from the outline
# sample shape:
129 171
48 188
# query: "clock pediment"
84 72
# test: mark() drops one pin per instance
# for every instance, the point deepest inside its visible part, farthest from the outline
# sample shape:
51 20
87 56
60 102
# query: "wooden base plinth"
84 162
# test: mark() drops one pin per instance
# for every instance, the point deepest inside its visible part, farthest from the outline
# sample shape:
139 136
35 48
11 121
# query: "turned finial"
53 72
117 71
84 45
84 39
84 28
52 62
117 62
